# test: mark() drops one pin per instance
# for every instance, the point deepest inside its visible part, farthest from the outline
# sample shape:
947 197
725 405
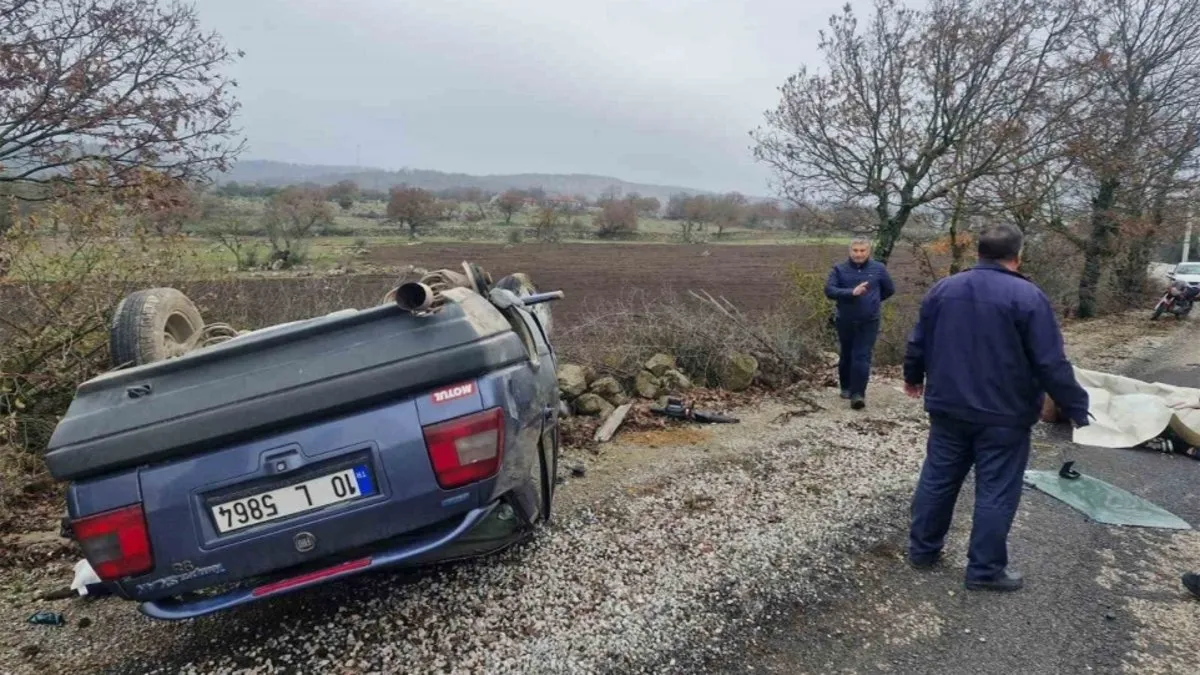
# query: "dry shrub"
619 336
58 298
257 303
809 313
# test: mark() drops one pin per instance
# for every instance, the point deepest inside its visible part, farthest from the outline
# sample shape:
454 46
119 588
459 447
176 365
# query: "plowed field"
752 277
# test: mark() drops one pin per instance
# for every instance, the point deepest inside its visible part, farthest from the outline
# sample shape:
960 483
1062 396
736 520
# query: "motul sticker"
453 393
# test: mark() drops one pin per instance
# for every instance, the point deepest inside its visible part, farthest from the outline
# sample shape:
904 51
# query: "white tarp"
1128 412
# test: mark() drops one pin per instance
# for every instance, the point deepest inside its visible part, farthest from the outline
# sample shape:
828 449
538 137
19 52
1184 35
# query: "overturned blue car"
421 430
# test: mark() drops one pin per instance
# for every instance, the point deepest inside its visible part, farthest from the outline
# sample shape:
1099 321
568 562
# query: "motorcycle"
1178 300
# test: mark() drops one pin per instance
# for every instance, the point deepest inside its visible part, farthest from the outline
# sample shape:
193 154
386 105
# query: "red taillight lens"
116 543
466 449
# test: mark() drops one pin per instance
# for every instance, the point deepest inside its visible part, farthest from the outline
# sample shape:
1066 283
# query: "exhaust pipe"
414 297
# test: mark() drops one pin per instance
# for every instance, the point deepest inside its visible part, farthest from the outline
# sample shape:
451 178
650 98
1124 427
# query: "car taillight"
116 543
466 449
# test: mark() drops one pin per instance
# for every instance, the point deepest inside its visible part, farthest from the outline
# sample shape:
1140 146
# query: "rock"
659 364
674 381
564 410
831 359
593 405
738 373
647 385
572 380
610 390
579 470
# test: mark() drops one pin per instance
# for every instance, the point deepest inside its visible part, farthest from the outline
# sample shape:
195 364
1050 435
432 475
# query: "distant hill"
269 173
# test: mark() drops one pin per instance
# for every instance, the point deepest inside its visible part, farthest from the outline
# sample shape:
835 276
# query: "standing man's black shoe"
1191 581
857 402
926 563
1005 583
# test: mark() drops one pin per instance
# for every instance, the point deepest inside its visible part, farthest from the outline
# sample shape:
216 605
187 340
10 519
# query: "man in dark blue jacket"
985 350
859 285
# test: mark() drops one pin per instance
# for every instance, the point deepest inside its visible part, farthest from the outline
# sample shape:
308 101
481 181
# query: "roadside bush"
248 304
59 297
617 337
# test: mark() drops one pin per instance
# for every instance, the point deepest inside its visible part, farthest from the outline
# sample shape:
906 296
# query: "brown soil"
750 276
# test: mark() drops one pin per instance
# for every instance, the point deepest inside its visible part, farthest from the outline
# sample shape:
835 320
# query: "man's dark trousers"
857 338
999 455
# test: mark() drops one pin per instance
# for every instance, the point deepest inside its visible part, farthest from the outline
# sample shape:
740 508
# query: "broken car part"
676 408
1104 502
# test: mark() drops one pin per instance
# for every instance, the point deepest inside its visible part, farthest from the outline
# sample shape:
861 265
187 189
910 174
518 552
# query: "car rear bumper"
458 541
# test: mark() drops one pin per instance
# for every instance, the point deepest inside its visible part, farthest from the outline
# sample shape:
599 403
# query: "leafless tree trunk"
1139 125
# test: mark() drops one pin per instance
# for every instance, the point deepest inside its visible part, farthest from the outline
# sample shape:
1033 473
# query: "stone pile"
585 393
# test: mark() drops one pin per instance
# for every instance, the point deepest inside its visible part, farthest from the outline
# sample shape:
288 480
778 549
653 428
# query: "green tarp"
1104 503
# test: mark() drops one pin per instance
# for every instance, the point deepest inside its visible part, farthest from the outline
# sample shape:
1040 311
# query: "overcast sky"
657 91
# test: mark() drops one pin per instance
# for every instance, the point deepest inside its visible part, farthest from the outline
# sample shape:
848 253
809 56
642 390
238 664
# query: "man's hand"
860 289
914 390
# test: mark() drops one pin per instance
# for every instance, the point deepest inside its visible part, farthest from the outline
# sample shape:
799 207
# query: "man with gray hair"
859 285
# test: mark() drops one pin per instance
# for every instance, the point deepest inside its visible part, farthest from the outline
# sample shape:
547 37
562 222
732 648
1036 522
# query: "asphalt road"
1097 599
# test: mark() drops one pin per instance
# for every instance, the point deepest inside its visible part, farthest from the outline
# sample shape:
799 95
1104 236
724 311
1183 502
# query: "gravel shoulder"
1097 598
676 551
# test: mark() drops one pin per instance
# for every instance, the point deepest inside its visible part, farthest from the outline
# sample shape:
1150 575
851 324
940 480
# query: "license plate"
333 488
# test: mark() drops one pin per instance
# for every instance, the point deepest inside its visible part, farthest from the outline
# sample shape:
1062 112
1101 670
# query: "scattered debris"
729 311
48 619
1104 502
609 429
579 470
677 409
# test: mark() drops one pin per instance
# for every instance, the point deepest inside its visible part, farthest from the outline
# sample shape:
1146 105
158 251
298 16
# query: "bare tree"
343 193
234 233
617 218
478 199
1138 128
290 218
882 124
94 91
510 204
728 211
413 207
548 222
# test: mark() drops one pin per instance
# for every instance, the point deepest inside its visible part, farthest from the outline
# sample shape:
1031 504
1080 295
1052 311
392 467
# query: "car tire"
152 325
